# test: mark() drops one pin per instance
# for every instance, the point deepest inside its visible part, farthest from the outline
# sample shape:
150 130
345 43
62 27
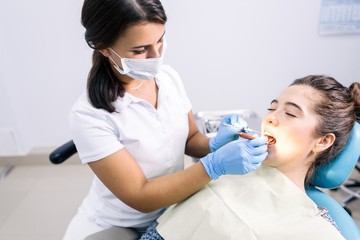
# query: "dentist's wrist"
208 163
212 144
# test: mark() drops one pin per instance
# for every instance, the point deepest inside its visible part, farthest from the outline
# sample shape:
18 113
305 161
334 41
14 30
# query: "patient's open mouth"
271 139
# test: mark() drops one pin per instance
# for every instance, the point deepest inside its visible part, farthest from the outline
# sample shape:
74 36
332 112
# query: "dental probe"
242 129
244 133
251 130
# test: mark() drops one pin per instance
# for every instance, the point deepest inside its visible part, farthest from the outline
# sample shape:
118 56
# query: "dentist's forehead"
142 34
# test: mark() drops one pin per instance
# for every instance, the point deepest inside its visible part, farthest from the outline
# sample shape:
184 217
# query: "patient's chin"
270 159
265 163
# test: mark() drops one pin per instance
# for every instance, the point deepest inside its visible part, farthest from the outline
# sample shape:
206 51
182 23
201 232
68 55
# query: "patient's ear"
324 143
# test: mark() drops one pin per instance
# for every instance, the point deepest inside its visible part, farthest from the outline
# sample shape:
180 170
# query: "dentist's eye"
271 109
137 52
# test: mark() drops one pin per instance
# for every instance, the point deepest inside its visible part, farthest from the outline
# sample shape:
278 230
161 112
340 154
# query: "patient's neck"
299 182
297 176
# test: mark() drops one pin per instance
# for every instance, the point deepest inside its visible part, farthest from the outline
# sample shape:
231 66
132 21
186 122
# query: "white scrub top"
156 138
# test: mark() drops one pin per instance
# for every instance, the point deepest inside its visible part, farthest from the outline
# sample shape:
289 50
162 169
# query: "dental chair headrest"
334 173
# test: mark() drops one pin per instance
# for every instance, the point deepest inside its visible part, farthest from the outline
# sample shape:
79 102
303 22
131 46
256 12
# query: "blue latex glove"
237 157
229 127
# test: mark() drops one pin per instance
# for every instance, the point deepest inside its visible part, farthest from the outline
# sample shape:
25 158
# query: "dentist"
134 123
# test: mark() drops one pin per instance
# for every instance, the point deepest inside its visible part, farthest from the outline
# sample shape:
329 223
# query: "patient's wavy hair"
105 21
337 107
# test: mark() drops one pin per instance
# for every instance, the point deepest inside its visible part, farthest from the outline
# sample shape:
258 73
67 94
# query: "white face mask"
142 69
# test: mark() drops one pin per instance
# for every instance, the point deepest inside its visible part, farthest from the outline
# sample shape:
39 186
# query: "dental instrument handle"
245 135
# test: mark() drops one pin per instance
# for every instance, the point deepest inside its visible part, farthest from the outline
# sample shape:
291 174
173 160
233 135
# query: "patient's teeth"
271 140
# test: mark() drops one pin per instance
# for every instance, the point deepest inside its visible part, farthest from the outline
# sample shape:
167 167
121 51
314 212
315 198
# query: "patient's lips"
271 139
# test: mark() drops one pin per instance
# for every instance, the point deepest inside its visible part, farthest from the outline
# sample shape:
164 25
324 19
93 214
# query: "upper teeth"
267 133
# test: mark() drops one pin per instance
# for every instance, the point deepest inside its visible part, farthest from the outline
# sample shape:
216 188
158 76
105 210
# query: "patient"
311 121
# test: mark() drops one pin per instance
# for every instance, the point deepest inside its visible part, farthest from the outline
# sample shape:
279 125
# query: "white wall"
231 54
43 68
249 50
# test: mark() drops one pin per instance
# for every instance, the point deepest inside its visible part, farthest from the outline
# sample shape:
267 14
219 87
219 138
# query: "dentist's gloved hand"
236 157
227 133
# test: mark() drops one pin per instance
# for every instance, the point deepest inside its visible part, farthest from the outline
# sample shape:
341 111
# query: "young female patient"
310 121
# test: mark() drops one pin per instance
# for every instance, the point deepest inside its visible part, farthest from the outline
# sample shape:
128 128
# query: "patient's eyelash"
291 115
287 113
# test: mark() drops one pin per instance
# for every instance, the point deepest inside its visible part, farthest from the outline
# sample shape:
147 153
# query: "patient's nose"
271 119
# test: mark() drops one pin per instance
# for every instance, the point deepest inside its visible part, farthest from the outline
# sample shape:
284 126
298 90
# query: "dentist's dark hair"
105 21
338 108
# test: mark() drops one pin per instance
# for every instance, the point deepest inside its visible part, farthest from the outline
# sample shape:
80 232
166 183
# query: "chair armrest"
63 152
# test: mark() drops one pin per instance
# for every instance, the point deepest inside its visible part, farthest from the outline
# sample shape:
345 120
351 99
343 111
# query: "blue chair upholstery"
352 188
332 175
343 220
329 176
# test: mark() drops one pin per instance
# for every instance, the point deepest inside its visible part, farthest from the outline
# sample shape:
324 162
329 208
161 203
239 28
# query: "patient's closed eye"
287 113
290 114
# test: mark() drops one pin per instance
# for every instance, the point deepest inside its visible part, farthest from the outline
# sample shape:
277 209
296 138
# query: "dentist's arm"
122 175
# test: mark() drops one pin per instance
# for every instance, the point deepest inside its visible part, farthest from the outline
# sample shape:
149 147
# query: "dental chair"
333 175
329 176
352 188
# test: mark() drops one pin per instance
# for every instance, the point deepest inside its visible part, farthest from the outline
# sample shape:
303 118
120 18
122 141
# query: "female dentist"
134 124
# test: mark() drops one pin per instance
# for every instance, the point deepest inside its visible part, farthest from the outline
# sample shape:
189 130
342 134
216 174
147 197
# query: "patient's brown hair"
337 107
